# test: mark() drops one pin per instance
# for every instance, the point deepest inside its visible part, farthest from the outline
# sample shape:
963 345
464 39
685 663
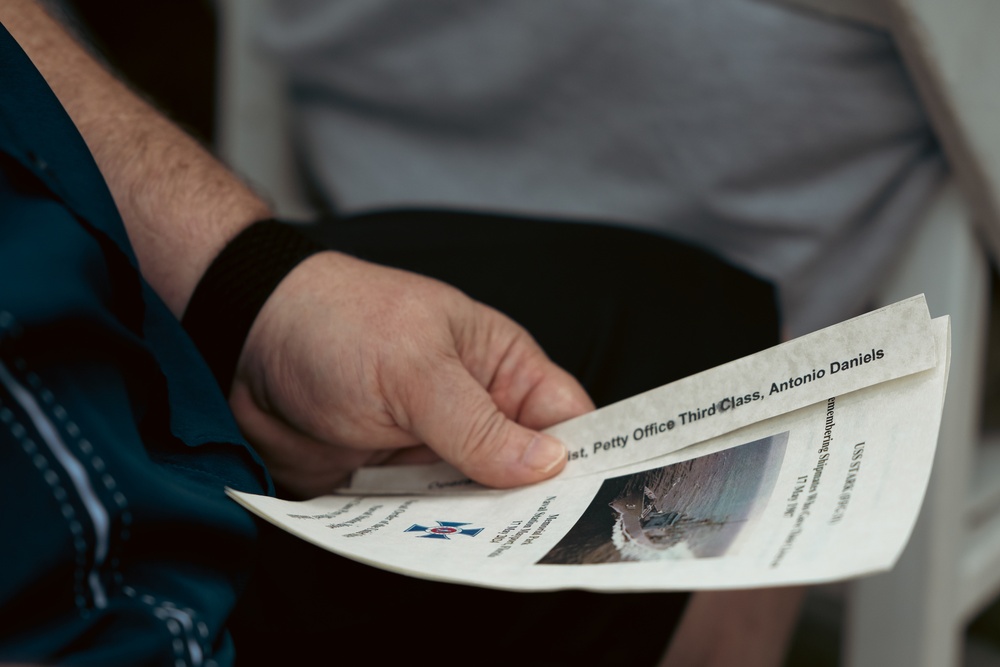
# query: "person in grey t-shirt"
789 144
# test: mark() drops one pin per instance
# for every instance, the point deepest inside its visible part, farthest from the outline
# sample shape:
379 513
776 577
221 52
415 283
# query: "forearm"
180 205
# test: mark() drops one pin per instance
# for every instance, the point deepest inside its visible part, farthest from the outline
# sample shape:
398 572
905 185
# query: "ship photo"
692 509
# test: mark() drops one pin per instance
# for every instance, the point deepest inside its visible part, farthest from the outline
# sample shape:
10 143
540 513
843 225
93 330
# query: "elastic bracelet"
234 288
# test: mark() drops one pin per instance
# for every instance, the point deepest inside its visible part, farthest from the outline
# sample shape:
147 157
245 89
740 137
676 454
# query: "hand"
351 363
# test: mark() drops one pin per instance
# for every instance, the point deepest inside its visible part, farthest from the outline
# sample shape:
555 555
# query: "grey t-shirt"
791 144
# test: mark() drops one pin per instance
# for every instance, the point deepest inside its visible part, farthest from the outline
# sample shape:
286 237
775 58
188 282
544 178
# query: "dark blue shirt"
120 546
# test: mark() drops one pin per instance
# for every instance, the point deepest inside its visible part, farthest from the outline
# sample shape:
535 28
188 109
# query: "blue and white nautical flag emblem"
443 530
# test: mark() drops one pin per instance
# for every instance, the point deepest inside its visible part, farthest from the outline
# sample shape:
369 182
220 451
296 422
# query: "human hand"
350 364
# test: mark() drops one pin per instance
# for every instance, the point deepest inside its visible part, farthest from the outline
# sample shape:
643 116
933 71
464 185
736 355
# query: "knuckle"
483 442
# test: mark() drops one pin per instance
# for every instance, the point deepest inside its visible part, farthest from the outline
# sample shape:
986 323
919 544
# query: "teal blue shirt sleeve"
115 442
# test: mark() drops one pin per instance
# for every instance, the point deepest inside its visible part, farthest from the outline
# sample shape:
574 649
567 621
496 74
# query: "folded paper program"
803 463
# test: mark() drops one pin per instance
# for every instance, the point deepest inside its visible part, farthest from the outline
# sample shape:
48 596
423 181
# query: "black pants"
624 311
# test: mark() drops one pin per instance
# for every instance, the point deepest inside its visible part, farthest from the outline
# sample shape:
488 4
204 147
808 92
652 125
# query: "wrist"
234 288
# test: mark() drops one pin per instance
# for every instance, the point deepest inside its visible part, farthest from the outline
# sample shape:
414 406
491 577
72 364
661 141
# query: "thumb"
456 417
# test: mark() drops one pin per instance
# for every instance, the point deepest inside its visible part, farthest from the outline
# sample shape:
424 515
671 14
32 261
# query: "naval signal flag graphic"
443 530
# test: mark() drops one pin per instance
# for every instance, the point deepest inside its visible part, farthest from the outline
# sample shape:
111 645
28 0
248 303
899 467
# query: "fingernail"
544 454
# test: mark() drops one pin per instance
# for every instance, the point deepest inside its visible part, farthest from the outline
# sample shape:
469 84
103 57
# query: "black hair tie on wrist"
229 296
